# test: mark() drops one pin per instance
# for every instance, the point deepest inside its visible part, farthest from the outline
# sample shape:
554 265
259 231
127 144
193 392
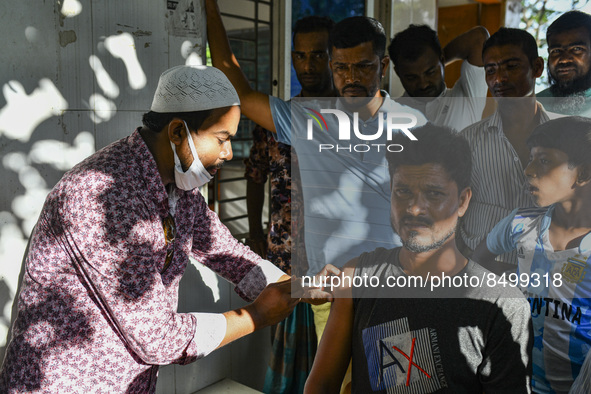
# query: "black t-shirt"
477 339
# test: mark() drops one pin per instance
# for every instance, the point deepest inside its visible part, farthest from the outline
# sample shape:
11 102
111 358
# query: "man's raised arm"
466 46
254 104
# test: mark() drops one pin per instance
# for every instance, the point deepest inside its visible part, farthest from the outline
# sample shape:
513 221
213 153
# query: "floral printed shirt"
271 158
95 313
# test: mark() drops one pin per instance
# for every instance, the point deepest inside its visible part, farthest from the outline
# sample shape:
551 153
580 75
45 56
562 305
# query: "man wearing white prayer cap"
97 307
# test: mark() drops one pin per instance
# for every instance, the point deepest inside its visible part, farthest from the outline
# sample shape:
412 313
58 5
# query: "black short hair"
410 43
357 30
156 121
312 24
512 36
569 21
570 134
435 145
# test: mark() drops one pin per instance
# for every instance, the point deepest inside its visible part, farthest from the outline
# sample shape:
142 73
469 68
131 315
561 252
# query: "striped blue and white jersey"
558 287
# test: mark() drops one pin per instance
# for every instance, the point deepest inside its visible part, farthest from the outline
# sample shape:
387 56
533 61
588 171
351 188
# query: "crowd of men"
422 189
508 64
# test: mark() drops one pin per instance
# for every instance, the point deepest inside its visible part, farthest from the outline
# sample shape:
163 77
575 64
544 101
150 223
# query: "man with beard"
345 190
498 143
295 339
345 186
569 65
419 61
403 333
271 158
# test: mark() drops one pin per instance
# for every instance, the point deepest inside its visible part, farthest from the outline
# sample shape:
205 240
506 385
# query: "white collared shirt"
458 107
498 181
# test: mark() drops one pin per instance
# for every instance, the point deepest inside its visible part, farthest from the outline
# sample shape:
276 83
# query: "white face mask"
196 175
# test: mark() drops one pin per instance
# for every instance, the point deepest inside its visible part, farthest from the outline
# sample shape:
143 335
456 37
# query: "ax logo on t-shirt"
403 361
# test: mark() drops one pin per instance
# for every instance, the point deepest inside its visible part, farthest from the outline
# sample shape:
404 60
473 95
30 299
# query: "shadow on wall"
74 78
5 298
207 300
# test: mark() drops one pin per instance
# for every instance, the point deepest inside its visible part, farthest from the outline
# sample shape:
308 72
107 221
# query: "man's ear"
465 196
176 131
385 62
583 175
538 67
442 66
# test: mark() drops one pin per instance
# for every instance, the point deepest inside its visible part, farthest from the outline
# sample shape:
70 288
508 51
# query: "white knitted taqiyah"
193 88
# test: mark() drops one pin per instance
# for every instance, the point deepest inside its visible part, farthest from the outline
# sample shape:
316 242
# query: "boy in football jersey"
553 242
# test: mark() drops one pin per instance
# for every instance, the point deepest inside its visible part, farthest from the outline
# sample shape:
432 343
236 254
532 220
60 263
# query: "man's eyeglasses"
169 237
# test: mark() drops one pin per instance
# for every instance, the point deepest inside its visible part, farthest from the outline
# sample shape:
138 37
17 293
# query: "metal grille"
249 27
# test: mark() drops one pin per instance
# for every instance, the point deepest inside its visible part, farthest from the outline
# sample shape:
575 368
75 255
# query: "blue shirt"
346 188
558 287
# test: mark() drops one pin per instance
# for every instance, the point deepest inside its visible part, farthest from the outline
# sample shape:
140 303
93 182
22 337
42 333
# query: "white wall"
77 75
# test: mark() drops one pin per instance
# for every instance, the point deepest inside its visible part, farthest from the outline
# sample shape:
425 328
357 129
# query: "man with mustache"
295 339
498 143
346 197
569 65
403 335
342 220
419 61
271 158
